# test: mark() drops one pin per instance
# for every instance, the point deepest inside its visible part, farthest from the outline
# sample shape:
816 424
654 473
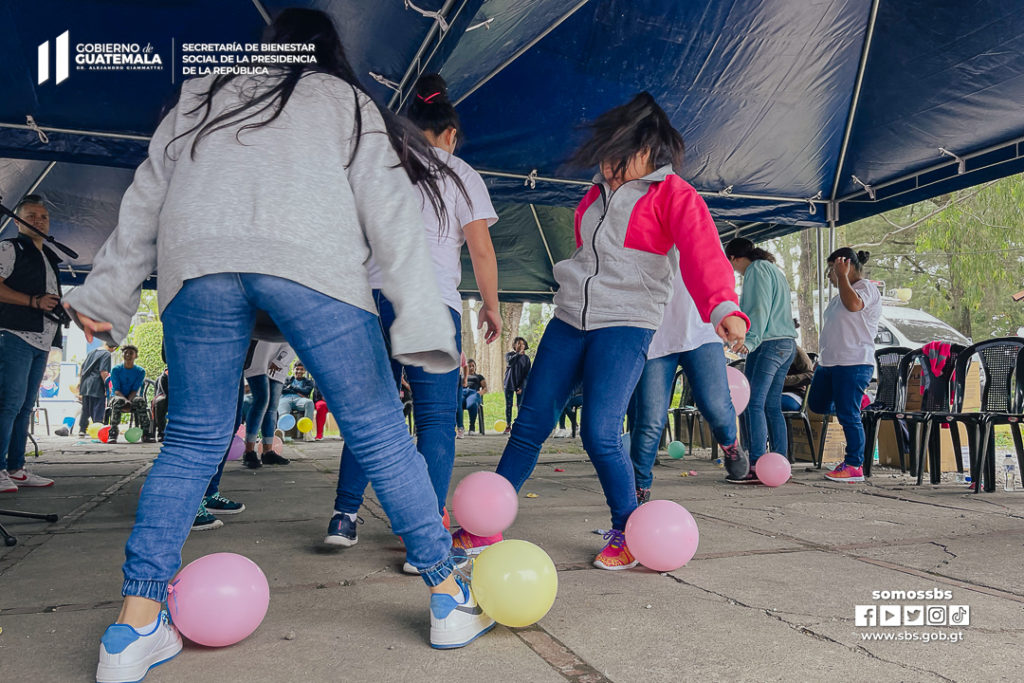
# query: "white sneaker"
127 655
23 478
454 622
6 485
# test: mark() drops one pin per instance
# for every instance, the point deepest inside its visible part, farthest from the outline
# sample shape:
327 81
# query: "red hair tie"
428 97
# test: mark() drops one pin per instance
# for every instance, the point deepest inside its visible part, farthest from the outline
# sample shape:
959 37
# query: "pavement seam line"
805 630
23 550
558 655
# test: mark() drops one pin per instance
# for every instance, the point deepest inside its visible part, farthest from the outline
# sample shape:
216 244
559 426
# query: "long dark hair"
295 25
857 259
741 247
620 133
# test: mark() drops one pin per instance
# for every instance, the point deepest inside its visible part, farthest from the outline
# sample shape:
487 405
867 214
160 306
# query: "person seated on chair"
126 380
93 386
472 396
798 378
29 291
295 394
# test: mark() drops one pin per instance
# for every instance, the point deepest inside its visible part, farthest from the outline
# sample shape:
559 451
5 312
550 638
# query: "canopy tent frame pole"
821 283
855 100
521 51
435 26
543 237
72 131
32 188
420 69
703 193
263 11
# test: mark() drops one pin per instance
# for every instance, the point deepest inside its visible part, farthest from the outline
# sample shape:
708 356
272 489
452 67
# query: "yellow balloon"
304 424
515 582
500 425
94 429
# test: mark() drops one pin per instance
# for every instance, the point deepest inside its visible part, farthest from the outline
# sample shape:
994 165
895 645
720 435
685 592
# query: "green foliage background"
148 336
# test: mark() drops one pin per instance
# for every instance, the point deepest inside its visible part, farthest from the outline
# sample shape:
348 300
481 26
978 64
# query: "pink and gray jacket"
621 273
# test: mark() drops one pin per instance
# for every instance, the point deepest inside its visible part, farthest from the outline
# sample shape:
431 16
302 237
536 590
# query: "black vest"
29 277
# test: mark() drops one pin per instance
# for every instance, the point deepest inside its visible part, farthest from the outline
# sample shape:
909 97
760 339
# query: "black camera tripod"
10 540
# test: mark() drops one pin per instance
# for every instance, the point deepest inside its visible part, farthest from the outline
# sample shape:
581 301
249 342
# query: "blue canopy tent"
797 113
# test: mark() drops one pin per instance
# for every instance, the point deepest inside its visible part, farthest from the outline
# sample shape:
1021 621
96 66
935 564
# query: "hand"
492 319
519 391
741 349
46 302
841 267
274 367
87 324
733 330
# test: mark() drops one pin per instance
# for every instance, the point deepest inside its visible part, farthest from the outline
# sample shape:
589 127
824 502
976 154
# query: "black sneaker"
737 465
251 459
274 458
342 531
751 478
146 438
205 521
642 495
219 505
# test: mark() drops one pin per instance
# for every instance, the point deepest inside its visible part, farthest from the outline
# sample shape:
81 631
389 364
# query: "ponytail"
430 109
857 259
744 248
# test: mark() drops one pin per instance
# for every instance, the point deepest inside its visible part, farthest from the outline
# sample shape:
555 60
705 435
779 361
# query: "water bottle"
1009 472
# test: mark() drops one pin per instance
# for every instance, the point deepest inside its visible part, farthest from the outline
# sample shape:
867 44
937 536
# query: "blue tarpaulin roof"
794 111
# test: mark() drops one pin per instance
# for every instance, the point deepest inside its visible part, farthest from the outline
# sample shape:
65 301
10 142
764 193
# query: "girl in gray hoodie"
243 175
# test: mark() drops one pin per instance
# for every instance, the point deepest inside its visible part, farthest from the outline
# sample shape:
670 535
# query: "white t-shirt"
40 340
681 328
265 353
848 337
446 250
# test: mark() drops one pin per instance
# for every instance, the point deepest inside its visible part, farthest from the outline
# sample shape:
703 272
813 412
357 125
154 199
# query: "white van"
909 327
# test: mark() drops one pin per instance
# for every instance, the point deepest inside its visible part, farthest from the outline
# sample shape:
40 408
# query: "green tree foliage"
148 336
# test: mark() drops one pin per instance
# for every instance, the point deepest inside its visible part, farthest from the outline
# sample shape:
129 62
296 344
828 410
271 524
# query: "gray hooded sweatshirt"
280 200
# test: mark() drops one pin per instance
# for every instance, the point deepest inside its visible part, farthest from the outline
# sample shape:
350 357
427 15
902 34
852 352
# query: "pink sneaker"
615 555
846 472
472 544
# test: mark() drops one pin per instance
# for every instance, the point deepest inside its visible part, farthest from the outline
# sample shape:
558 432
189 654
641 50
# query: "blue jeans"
609 362
262 415
21 371
511 396
434 403
471 401
705 371
286 404
206 331
762 421
839 389
214 485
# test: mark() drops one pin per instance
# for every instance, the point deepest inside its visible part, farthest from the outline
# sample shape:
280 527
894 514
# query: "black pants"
160 415
509 393
92 411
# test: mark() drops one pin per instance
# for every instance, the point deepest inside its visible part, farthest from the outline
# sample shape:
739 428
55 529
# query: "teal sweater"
765 300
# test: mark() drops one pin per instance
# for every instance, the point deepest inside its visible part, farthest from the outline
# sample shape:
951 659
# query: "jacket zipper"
597 259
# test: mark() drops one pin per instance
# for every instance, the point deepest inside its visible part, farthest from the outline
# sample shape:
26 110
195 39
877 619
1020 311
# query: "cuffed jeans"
762 422
434 403
840 389
206 330
609 362
21 370
709 383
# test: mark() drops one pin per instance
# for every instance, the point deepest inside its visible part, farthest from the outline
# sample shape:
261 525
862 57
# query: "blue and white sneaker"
456 622
342 531
126 655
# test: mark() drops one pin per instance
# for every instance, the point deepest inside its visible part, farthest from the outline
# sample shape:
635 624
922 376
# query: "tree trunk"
805 291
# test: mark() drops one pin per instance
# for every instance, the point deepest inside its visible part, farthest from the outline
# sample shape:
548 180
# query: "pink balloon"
278 445
218 599
241 432
485 503
739 389
773 469
662 535
237 448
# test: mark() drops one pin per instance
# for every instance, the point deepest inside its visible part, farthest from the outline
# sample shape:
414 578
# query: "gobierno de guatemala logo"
118 57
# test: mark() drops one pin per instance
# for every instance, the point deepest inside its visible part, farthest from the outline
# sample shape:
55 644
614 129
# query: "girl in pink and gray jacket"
612 294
